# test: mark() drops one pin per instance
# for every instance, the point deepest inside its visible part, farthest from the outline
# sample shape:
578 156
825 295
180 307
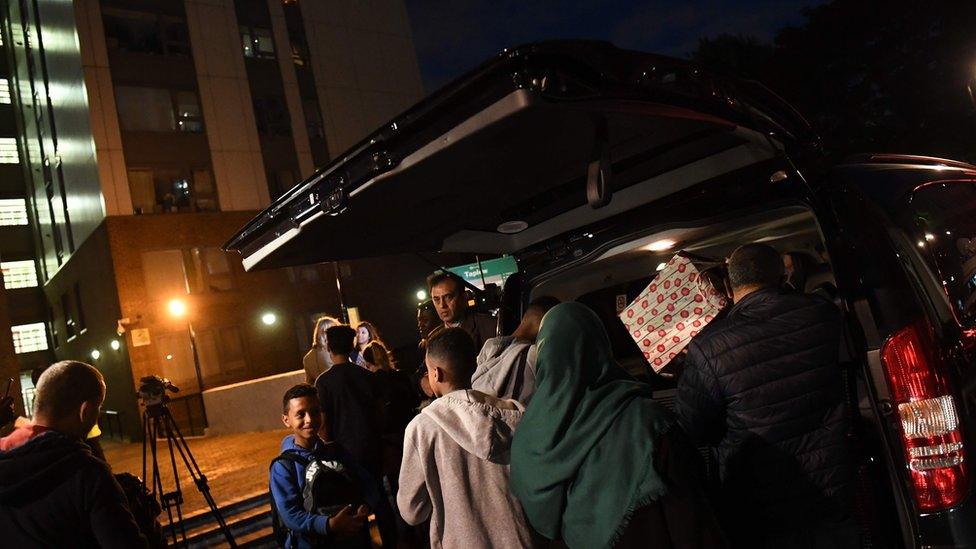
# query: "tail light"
931 432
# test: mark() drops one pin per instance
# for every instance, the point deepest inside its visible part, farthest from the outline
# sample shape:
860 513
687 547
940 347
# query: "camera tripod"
155 419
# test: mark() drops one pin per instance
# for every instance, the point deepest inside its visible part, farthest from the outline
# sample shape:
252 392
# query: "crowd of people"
536 438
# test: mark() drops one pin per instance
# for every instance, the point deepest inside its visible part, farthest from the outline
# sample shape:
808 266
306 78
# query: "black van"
592 165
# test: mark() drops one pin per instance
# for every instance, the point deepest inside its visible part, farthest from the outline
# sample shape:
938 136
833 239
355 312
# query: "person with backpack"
320 496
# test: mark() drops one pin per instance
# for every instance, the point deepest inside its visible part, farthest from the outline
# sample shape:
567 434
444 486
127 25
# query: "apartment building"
137 136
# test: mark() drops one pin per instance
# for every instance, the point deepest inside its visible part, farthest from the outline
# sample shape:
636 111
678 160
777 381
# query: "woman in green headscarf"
595 461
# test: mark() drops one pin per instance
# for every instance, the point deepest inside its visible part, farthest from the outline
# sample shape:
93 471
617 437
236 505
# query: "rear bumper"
954 528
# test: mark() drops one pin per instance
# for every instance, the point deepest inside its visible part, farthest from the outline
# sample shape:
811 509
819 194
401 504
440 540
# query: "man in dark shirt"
53 492
347 395
451 303
763 386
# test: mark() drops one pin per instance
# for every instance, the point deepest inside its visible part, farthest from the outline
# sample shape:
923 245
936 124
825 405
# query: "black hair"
455 349
341 339
298 391
543 303
755 265
442 276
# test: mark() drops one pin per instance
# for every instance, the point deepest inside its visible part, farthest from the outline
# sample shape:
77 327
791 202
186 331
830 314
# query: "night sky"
452 36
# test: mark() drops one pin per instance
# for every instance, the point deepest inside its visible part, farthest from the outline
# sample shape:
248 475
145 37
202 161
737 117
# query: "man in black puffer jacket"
763 386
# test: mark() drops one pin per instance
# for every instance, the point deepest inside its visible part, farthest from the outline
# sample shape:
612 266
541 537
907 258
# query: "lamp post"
177 308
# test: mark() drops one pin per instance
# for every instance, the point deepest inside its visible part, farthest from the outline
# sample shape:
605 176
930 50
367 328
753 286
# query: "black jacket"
54 493
349 398
764 387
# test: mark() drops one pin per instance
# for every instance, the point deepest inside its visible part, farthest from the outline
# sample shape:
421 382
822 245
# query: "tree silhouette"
870 76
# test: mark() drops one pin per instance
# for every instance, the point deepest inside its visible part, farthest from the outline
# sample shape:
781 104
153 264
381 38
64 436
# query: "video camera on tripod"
152 390
158 423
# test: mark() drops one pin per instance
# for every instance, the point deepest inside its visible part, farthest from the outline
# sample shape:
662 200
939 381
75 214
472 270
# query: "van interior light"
660 245
929 236
269 318
421 295
95 354
512 227
115 345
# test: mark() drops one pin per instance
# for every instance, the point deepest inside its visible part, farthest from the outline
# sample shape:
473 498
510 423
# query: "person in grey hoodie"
506 364
456 456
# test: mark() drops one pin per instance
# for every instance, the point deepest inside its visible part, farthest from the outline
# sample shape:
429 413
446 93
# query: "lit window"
13 211
18 274
4 91
29 337
257 43
8 151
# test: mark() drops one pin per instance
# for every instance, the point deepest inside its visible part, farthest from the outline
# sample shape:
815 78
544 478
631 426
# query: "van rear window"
946 215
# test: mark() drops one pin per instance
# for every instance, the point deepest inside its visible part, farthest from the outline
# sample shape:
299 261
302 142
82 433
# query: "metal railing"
110 423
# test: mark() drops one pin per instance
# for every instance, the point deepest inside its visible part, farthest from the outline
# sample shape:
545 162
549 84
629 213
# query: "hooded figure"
595 461
53 490
456 457
506 367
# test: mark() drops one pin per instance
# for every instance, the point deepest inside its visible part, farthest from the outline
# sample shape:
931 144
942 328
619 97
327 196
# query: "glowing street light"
269 318
421 295
176 307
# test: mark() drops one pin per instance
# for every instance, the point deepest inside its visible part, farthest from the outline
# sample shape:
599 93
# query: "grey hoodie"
455 472
506 369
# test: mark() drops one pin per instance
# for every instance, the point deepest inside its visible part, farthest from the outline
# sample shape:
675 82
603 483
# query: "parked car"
592 165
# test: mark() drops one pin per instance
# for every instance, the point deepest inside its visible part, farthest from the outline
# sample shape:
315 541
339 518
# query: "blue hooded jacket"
308 530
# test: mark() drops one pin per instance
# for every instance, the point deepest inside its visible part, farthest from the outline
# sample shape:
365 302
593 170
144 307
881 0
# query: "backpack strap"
289 456
281 532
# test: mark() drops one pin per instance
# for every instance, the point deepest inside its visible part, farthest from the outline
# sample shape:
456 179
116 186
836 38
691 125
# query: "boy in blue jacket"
345 526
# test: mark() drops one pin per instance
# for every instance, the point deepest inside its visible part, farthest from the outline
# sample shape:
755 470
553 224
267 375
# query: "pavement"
236 466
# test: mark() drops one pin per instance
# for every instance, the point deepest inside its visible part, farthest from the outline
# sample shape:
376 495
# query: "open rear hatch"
540 140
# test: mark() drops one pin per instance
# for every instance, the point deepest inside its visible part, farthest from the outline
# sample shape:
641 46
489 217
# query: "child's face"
304 417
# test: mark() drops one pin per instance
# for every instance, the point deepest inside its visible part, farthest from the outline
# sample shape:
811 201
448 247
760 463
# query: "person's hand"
7 413
345 522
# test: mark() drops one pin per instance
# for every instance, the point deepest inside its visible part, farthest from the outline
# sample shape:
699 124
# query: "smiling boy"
339 508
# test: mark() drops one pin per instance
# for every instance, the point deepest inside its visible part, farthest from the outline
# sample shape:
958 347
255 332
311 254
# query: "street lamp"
177 308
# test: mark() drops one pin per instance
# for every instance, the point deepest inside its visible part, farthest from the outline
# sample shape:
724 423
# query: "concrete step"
242 516
259 539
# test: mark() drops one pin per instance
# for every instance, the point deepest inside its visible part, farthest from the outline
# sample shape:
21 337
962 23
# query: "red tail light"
931 433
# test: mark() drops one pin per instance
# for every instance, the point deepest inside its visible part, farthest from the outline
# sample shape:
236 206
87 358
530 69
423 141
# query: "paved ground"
236 466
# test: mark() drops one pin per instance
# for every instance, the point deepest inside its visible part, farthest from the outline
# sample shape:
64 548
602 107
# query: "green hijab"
583 455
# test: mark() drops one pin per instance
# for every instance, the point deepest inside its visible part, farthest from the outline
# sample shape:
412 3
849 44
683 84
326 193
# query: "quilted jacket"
764 388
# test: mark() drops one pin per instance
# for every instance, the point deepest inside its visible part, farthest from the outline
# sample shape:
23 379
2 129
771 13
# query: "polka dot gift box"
671 310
